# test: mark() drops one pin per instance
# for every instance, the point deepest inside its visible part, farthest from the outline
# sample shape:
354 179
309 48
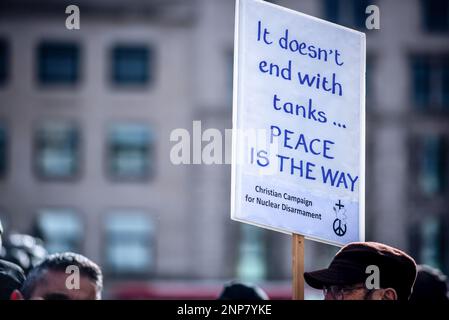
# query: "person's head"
240 291
430 285
64 276
24 250
366 271
11 278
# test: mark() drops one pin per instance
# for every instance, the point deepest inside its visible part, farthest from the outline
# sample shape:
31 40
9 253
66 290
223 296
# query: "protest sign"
298 124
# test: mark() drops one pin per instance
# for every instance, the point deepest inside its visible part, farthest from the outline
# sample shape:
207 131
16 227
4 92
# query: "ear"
16 295
389 294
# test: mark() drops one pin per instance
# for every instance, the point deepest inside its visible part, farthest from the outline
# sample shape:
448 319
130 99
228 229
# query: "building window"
3 151
428 165
131 152
421 82
129 242
350 13
427 240
431 246
432 170
252 254
58 63
131 65
61 229
431 82
435 15
57 150
4 61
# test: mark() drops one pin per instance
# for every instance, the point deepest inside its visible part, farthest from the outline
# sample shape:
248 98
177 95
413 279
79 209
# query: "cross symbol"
339 205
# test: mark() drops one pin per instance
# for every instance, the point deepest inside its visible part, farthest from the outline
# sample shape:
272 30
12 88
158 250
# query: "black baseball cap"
349 266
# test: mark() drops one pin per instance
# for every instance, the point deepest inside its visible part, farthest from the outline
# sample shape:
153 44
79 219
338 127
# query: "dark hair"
430 285
60 262
11 278
235 290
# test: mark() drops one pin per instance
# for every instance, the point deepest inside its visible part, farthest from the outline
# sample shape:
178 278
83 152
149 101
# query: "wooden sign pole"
298 266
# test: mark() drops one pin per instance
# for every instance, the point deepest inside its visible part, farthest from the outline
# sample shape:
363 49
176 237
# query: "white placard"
298 124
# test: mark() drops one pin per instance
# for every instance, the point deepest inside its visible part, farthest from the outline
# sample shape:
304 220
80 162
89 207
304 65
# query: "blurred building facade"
86 117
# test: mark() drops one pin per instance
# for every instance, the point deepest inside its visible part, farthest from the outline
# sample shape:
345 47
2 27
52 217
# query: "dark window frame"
150 172
119 52
5 57
75 211
250 235
416 241
433 77
349 13
151 242
433 19
76 175
416 148
58 48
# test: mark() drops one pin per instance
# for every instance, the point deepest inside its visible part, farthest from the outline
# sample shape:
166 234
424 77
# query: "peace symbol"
339 228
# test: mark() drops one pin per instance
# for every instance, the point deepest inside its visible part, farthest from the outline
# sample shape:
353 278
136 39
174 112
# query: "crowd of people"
27 272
